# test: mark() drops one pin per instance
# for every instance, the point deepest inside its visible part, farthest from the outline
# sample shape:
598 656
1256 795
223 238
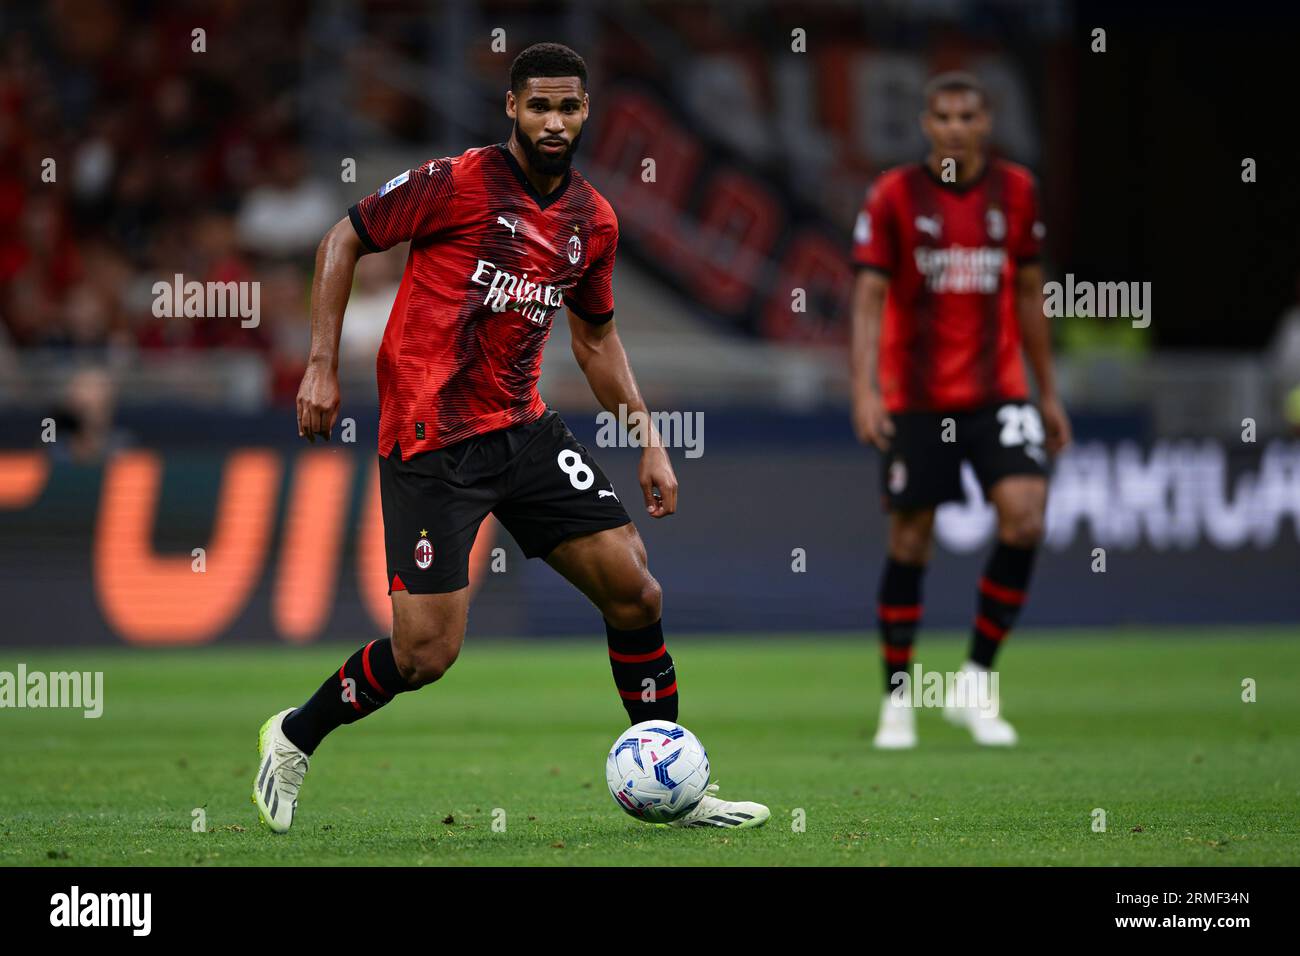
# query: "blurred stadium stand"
228 165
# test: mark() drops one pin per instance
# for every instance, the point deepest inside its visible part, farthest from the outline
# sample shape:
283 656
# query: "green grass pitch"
1148 726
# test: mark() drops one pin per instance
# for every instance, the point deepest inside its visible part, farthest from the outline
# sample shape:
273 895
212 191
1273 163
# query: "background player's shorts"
538 481
921 470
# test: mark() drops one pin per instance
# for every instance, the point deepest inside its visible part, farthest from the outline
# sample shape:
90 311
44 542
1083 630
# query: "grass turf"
1148 726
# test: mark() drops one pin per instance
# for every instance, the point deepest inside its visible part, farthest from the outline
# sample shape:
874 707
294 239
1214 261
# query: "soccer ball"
657 771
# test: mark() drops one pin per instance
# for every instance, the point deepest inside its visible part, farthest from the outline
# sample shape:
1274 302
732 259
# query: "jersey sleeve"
413 205
875 234
592 299
1029 241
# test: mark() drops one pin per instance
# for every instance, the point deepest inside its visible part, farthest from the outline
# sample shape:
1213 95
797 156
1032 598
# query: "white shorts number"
1020 425
571 464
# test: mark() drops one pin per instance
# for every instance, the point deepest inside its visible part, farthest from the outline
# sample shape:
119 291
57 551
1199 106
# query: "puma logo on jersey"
508 225
929 225
606 494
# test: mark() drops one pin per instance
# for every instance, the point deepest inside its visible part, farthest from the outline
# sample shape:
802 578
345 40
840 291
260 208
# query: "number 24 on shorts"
1020 425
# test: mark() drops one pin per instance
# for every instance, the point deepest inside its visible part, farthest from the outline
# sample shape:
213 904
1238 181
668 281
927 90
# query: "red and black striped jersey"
950 337
491 262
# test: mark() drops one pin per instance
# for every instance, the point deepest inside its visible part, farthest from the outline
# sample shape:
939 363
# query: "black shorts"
922 467
538 481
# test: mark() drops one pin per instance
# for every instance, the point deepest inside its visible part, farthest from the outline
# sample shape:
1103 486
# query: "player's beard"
543 163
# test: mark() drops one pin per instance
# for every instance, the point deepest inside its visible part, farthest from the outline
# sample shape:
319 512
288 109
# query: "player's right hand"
318 402
871 421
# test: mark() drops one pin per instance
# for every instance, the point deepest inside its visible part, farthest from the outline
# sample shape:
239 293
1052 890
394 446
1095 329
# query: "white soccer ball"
657 771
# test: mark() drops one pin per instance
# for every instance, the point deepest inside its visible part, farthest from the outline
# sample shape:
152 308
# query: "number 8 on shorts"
571 463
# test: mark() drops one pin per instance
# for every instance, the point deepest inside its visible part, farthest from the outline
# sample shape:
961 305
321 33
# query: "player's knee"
651 600
910 550
638 606
426 664
1022 530
910 543
422 662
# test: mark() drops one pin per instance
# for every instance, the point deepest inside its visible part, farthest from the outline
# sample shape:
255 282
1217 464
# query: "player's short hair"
955 81
546 59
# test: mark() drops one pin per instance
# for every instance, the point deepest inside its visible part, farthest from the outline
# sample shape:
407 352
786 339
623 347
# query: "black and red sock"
1002 592
366 681
899 614
643 672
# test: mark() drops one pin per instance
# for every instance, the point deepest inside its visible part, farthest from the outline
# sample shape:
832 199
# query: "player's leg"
898 610
898 614
560 506
431 512
428 630
428 633
1020 501
1004 444
610 568
920 471
365 682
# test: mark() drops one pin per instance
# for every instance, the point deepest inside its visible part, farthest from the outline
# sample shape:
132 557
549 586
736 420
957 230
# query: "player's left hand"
658 482
1056 423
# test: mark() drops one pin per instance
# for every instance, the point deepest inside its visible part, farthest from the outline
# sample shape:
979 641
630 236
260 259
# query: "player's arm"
599 353
871 421
1036 336
876 245
318 395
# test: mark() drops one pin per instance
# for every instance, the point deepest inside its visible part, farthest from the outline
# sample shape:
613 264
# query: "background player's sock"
375 680
1002 592
899 613
639 655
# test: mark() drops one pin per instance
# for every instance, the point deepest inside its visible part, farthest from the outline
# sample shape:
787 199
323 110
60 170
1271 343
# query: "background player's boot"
979 713
280 770
897 727
724 814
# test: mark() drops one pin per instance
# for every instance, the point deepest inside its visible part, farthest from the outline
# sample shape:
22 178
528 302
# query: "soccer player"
501 237
948 292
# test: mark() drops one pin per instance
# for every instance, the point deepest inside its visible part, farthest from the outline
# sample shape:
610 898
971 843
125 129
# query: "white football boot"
281 767
897 727
723 814
981 717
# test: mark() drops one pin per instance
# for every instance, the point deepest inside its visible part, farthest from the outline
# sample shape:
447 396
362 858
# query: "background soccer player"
948 292
501 236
